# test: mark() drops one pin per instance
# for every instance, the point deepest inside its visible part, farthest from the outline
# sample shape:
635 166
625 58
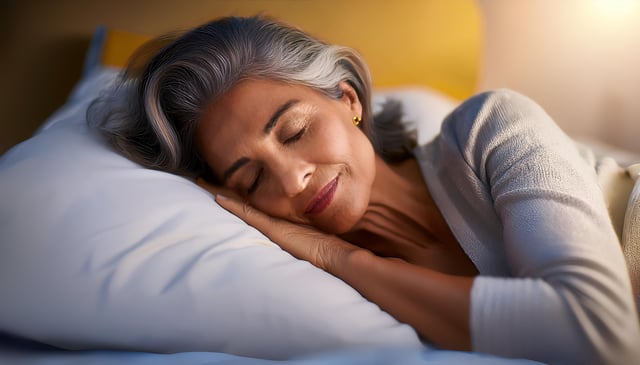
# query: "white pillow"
98 252
424 108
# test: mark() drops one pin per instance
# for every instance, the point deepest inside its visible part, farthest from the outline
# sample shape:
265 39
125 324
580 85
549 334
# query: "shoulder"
493 129
494 114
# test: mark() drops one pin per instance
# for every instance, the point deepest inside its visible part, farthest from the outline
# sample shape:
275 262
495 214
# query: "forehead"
230 123
247 97
249 100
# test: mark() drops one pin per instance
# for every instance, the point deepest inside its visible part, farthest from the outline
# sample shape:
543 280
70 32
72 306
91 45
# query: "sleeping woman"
494 237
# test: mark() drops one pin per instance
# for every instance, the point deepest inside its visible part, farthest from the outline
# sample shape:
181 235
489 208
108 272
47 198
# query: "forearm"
437 305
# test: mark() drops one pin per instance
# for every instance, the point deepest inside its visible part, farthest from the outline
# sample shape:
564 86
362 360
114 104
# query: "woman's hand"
325 251
435 304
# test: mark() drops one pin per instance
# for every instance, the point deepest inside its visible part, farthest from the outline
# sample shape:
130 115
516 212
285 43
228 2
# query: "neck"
401 216
403 221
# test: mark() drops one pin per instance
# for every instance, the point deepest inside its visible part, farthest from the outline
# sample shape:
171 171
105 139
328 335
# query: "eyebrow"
267 129
278 113
236 165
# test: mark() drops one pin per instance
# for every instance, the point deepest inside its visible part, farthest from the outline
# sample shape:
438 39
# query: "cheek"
357 152
357 156
346 145
340 142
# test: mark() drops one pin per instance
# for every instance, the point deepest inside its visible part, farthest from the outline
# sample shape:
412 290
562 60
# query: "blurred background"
580 59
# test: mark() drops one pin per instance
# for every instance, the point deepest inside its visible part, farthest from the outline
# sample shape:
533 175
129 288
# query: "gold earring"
357 120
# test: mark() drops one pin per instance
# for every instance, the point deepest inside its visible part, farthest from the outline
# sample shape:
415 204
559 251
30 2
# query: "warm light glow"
617 7
617 16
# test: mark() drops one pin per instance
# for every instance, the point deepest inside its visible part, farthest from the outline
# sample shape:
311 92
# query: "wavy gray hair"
151 114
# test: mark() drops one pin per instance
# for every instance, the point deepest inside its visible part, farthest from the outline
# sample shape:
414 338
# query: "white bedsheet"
14 352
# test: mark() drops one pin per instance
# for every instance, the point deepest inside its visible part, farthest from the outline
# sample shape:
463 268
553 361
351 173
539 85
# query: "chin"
338 229
351 211
346 219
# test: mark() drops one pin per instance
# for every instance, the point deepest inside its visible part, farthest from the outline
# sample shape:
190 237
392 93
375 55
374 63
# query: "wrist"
350 259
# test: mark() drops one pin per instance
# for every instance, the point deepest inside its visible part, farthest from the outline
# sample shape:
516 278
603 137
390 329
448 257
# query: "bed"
105 262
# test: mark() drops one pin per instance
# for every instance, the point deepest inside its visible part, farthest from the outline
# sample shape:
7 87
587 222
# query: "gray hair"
152 113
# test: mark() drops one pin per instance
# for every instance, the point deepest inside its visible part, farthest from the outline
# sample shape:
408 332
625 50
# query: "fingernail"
221 197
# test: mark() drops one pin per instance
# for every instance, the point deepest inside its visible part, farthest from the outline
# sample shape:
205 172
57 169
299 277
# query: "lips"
324 197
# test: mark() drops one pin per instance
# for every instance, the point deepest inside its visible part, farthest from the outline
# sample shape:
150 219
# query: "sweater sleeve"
569 298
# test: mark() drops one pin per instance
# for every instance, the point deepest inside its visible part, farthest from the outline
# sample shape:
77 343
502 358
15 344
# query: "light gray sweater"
527 210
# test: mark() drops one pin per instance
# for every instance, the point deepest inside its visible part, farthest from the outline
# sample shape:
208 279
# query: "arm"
435 304
567 298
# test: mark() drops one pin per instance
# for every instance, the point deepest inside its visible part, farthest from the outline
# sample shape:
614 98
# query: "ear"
350 98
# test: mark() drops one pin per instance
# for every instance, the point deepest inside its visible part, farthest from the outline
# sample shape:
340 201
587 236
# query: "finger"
283 232
247 213
303 242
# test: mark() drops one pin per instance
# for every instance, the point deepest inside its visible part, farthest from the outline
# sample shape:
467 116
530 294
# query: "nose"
294 175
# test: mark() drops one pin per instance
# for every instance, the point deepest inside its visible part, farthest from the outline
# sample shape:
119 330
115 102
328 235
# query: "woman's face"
291 152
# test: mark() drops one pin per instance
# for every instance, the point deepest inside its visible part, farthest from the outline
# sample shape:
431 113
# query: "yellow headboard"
436 43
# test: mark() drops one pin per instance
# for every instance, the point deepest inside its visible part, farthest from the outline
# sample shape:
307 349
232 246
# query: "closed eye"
296 136
256 182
